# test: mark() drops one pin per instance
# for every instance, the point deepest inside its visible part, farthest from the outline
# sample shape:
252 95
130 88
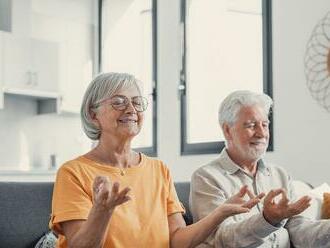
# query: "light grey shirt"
214 183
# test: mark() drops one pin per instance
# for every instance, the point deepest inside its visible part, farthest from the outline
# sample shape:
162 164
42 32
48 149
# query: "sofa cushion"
25 209
183 191
24 212
301 189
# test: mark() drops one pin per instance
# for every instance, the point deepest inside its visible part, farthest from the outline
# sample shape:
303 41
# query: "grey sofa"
25 211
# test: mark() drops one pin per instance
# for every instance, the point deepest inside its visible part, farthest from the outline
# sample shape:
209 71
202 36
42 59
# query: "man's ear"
226 129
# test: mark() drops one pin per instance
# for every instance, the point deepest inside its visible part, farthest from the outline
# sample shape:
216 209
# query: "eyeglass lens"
140 103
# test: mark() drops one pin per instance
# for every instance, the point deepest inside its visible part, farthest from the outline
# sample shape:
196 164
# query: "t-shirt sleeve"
173 203
71 200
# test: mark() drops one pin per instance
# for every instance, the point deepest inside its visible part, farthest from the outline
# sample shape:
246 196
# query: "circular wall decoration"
317 63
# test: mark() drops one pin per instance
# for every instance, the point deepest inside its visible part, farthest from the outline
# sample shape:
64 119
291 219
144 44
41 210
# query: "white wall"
301 126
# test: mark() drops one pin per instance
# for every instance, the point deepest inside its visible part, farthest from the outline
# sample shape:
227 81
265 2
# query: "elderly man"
274 222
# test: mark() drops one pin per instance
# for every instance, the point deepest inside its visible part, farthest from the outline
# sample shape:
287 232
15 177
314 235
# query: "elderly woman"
113 196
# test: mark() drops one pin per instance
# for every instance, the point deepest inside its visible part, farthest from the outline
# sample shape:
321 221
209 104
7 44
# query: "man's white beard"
252 153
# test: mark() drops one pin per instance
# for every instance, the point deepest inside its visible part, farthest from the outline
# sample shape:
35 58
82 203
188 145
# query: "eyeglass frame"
127 100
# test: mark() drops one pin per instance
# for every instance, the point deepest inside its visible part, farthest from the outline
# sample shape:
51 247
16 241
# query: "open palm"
237 204
275 212
107 195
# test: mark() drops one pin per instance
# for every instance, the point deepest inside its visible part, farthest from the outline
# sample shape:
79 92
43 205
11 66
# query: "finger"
124 192
269 199
103 193
261 195
97 182
251 203
124 199
122 195
299 206
115 190
102 181
284 201
250 194
99 193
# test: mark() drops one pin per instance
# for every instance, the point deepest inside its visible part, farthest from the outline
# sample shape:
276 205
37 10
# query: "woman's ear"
93 115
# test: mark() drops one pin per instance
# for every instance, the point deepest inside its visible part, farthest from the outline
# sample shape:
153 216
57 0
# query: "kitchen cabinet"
49 54
29 64
30 68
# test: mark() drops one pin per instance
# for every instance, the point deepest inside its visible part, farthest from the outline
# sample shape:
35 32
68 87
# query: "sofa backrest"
25 209
24 212
183 191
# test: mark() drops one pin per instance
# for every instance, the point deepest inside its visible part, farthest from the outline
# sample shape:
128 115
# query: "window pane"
223 53
127 47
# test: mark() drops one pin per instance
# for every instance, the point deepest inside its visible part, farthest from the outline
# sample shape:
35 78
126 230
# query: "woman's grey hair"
102 87
232 104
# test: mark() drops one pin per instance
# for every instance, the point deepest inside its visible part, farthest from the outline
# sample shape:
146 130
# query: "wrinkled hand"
106 196
274 212
237 205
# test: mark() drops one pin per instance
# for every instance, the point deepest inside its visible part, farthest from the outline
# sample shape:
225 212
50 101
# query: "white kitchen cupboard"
50 53
17 62
30 68
30 64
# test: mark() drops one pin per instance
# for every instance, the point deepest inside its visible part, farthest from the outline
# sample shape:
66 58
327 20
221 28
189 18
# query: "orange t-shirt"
140 222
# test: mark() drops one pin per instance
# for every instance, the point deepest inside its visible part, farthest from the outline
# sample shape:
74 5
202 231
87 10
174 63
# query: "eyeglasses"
120 103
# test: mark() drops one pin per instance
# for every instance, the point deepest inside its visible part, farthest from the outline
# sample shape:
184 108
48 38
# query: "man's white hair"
232 104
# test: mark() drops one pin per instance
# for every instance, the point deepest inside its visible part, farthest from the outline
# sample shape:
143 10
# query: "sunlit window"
225 45
128 45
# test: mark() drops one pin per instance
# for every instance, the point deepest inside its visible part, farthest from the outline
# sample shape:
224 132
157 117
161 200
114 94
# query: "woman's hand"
237 205
90 232
106 196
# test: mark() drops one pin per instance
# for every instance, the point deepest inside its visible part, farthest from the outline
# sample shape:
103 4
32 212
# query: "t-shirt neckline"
109 167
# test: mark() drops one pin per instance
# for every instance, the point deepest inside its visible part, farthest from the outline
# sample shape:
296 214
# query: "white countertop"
28 172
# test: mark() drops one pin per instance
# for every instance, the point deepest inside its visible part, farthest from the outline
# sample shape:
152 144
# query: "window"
128 44
226 47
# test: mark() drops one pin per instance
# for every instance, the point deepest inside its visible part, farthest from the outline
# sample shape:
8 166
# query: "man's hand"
106 196
237 205
274 212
